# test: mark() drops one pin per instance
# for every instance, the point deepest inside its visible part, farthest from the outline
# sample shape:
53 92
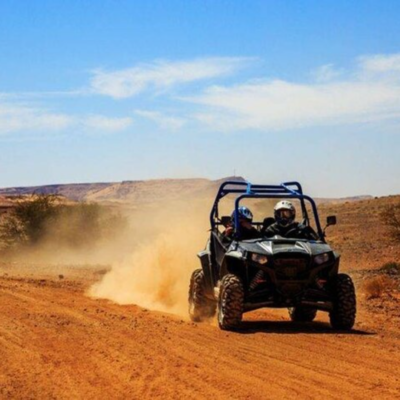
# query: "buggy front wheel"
343 314
230 304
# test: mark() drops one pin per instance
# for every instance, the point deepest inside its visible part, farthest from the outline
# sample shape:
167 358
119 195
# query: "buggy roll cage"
286 190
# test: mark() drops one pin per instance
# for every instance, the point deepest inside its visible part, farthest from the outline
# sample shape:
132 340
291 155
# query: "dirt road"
56 342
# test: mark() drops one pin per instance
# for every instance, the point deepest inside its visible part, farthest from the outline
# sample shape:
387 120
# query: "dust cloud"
156 273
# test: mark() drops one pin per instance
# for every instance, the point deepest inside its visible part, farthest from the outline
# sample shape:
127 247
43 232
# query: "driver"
285 225
247 230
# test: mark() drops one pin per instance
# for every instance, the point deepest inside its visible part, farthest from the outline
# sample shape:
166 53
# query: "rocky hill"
73 191
360 235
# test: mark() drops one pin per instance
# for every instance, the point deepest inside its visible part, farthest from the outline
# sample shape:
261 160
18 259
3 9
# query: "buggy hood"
273 247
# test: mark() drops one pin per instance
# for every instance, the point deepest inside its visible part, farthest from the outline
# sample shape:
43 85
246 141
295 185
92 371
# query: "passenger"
285 225
247 230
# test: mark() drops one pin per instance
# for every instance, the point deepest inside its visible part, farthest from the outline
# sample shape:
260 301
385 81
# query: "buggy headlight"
259 258
321 258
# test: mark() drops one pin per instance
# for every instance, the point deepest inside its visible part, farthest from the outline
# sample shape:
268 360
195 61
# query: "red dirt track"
56 342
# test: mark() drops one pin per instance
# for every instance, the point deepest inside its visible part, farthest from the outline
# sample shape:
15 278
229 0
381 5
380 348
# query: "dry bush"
45 219
391 218
375 287
28 220
391 268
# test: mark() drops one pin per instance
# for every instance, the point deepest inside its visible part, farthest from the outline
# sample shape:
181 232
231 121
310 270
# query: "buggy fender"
335 268
204 257
234 263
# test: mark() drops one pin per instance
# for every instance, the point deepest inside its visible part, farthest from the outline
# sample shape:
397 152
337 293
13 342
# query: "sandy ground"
56 342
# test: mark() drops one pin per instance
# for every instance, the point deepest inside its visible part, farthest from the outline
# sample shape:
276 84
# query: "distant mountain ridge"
141 191
136 191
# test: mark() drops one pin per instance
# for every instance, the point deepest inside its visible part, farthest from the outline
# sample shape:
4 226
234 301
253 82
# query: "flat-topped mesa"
129 191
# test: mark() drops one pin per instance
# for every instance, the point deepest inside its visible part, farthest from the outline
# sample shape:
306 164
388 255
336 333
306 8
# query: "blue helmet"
244 212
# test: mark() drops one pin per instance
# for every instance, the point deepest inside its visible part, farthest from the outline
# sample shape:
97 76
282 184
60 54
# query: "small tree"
28 220
391 218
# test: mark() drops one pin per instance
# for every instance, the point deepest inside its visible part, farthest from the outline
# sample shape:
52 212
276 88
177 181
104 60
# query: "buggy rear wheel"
343 314
302 314
200 307
230 304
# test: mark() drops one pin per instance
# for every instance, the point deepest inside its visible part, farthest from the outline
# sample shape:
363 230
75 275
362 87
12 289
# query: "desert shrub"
28 220
375 287
391 218
45 219
391 268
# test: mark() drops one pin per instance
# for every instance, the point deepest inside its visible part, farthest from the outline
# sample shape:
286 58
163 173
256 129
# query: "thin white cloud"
160 75
163 121
15 118
279 105
22 96
106 124
381 63
326 73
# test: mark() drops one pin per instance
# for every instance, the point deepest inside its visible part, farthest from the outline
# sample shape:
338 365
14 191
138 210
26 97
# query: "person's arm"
304 232
228 232
255 233
270 232
310 233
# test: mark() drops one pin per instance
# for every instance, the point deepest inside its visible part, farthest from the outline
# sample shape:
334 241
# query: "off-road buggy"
237 276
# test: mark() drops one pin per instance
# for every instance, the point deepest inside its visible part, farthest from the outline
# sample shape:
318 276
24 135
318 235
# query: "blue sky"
123 90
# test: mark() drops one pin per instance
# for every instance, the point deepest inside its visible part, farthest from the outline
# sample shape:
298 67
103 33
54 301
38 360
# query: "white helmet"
284 213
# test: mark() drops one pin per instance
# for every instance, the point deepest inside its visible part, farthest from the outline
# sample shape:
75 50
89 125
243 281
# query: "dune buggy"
237 276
